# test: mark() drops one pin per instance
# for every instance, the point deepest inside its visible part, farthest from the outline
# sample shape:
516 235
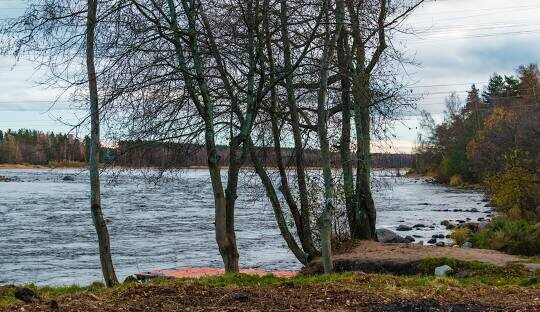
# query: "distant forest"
40 148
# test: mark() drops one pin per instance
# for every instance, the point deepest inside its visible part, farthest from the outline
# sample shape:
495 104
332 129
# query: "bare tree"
95 193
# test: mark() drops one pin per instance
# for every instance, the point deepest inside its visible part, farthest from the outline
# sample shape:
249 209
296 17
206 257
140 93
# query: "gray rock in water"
443 270
445 223
387 236
466 245
68 178
403 227
420 225
432 241
440 244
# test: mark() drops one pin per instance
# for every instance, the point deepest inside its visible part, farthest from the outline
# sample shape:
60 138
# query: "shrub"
516 191
456 180
460 235
512 236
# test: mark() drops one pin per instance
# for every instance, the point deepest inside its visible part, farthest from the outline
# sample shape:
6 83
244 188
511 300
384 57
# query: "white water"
47 237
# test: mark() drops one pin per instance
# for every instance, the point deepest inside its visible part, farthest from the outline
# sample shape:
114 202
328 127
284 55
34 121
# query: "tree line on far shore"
36 147
493 139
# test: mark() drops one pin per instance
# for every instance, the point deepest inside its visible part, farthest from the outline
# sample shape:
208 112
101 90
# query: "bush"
517 237
460 235
456 180
516 191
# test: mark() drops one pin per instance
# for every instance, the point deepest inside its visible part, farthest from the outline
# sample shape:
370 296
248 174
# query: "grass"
478 275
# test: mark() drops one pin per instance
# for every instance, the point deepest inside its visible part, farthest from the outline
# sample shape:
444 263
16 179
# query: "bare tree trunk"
95 194
322 119
345 140
278 212
305 236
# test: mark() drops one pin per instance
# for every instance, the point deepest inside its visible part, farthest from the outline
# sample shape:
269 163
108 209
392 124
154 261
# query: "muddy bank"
406 259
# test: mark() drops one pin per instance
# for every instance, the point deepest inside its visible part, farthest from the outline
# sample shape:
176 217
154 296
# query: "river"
47 236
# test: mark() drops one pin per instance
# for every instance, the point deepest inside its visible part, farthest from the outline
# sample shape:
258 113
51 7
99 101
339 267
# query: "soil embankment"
374 257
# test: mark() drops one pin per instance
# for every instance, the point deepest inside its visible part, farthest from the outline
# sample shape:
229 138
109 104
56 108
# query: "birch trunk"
95 194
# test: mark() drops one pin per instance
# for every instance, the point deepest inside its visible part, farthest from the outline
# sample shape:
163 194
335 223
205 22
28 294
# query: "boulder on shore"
443 270
387 236
432 241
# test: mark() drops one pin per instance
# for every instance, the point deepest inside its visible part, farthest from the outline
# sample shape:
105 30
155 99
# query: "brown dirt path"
399 257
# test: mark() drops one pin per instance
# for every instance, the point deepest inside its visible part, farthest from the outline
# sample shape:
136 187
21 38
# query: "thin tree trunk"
306 237
278 212
95 194
322 118
345 140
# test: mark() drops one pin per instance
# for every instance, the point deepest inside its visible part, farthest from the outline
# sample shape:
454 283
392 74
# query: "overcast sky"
459 42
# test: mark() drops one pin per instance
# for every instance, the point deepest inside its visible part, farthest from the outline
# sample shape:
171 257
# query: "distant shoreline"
198 167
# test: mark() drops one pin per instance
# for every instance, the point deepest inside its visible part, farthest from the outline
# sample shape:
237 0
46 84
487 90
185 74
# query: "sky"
457 43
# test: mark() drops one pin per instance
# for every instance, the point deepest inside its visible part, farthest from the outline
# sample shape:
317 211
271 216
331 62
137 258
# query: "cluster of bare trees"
246 73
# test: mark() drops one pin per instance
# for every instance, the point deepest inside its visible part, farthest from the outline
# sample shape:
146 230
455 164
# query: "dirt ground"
400 258
288 298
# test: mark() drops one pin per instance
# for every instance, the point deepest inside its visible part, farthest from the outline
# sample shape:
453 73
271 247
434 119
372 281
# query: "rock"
438 236
474 210
68 178
25 294
420 225
458 210
417 236
460 221
410 238
487 205
403 227
450 227
131 279
424 204
439 244
466 245
447 236
480 219
432 241
387 236
443 270
5 179
445 223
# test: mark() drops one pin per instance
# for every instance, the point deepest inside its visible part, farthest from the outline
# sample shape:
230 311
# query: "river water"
47 236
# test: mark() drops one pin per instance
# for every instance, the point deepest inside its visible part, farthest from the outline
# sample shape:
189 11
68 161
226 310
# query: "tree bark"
95 194
305 236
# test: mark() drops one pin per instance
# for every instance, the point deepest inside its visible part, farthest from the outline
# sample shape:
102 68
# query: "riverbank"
346 291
